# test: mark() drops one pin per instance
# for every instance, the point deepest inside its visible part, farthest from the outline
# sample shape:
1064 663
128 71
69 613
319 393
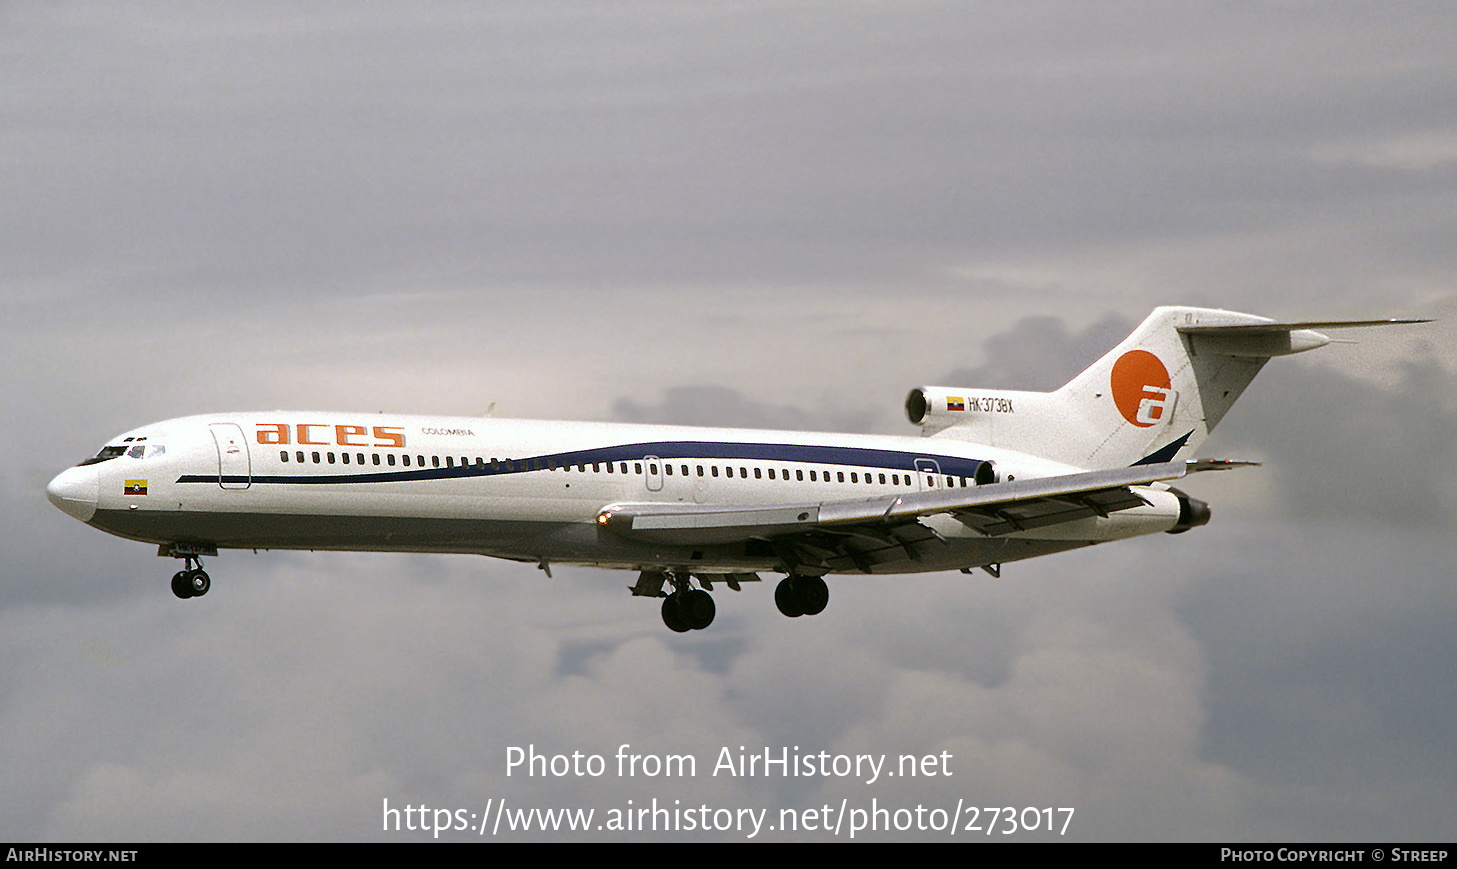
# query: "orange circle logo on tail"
1141 388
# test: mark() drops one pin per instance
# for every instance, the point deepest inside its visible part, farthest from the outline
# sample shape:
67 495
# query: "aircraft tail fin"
1153 398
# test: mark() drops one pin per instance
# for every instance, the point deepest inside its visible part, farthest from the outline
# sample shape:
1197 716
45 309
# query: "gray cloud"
670 143
1038 354
1339 447
719 406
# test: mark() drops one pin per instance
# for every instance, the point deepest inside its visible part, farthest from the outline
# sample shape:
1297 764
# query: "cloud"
1340 447
1038 354
720 406
1412 153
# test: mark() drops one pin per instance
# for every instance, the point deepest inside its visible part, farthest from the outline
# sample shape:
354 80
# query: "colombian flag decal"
135 487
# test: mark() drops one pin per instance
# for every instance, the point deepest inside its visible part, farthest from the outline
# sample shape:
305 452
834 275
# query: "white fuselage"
531 490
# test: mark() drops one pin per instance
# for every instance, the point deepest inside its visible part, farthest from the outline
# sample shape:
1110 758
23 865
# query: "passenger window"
406 460
390 459
316 458
757 475
345 457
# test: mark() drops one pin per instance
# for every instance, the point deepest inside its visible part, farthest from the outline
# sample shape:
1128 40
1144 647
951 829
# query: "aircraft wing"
994 508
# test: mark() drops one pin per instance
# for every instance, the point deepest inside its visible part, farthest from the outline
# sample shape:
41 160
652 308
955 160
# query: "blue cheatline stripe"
888 460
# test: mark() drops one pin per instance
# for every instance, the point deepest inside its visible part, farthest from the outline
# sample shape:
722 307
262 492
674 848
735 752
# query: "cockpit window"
106 453
130 450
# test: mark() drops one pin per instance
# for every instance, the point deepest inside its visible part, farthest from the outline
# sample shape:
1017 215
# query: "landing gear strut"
798 595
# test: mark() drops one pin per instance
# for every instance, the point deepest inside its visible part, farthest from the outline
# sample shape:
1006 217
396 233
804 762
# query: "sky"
769 214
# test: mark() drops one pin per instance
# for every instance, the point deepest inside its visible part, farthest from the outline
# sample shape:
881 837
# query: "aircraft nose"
74 490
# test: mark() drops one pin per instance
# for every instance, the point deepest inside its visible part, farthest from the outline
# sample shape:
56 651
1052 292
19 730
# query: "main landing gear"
798 595
690 610
685 608
192 580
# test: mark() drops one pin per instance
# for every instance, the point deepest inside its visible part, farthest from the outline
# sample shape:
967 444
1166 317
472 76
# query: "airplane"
996 476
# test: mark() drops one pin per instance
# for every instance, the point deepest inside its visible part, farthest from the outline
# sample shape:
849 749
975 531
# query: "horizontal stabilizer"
1270 328
1252 337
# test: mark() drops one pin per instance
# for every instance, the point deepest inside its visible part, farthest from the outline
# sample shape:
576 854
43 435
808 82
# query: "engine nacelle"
1192 513
936 407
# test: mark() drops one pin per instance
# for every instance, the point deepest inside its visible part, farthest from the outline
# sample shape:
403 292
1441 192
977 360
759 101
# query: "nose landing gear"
191 583
192 580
